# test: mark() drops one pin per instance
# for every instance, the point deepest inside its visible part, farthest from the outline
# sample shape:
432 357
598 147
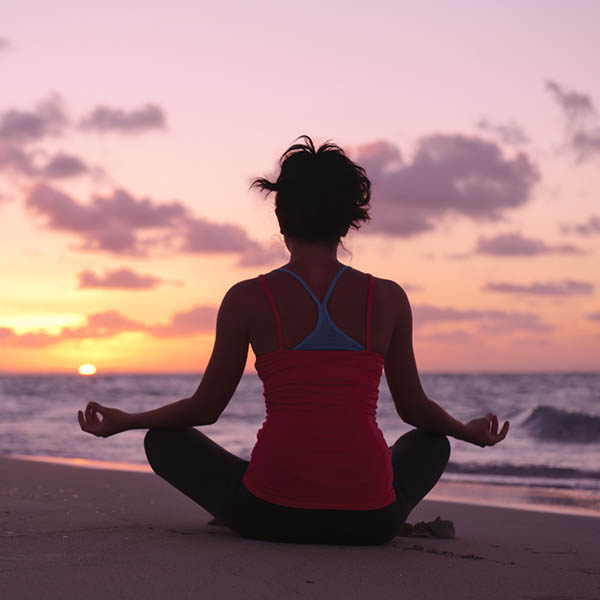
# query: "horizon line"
201 374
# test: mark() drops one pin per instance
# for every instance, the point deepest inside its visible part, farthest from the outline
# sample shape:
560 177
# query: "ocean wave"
549 423
525 471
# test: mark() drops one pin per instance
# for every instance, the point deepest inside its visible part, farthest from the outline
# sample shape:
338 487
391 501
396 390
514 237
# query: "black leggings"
212 477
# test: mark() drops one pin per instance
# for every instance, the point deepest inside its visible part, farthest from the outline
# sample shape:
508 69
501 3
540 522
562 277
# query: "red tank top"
320 446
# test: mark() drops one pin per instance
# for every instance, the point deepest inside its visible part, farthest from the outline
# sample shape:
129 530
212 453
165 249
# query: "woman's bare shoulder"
243 288
390 288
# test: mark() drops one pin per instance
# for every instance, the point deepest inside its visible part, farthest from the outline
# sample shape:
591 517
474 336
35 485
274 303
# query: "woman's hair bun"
319 194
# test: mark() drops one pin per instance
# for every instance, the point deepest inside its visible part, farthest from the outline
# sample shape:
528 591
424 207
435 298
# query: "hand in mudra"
113 420
484 431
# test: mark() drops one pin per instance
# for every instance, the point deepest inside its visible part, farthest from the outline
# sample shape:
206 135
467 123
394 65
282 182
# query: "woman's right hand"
113 420
484 431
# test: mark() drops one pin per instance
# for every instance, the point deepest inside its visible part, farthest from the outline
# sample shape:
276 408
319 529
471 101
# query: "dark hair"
320 193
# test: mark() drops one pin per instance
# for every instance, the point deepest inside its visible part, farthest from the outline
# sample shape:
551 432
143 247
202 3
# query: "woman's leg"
419 459
196 466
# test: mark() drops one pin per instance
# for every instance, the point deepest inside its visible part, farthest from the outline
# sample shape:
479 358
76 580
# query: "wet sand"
69 532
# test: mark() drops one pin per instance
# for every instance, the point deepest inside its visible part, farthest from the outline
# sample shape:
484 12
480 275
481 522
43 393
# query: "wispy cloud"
110 223
202 236
566 287
586 143
4 44
19 129
591 227
123 225
22 132
23 162
63 165
449 175
110 323
515 244
457 336
491 321
48 118
575 105
508 133
200 319
595 316
110 119
121 279
583 128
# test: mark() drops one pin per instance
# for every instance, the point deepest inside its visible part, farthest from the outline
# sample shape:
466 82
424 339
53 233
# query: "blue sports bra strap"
332 284
301 281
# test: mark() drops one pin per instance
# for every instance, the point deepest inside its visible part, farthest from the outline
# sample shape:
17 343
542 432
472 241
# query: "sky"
130 133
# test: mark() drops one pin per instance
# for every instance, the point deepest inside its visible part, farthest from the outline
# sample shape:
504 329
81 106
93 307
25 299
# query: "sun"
86 369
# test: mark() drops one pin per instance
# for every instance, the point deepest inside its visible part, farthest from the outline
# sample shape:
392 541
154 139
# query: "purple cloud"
457 336
586 143
595 316
449 175
574 104
493 321
425 313
4 44
122 279
509 133
200 319
109 223
123 225
22 162
201 236
590 228
255 255
13 158
583 137
514 244
566 287
18 129
63 165
105 118
47 119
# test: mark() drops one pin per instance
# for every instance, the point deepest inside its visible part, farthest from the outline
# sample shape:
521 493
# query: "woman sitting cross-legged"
321 471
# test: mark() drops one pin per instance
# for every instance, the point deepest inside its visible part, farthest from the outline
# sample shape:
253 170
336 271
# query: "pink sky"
129 135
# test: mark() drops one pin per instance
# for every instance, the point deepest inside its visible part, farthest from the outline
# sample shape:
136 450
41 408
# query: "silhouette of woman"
320 471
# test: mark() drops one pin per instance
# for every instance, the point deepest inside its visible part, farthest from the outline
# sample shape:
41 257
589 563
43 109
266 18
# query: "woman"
321 471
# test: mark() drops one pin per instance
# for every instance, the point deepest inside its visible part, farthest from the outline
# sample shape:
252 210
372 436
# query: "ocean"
554 439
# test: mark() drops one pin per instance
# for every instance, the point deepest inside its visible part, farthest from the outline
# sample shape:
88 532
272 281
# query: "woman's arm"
219 382
412 404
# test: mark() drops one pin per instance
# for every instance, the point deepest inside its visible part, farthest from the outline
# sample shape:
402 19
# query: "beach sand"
69 532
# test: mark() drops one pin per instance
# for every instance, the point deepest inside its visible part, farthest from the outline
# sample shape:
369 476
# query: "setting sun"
86 369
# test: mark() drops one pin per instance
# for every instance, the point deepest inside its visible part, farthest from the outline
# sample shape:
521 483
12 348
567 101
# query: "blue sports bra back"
326 335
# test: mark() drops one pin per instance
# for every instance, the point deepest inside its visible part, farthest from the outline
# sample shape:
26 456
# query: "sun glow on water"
86 369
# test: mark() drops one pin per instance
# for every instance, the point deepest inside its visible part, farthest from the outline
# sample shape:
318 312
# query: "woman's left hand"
113 420
484 431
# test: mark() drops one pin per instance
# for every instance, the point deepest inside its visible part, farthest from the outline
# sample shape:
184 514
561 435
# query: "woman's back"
347 307
320 446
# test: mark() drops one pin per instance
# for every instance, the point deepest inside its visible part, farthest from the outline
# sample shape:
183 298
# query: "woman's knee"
438 444
155 442
443 447
432 443
152 442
